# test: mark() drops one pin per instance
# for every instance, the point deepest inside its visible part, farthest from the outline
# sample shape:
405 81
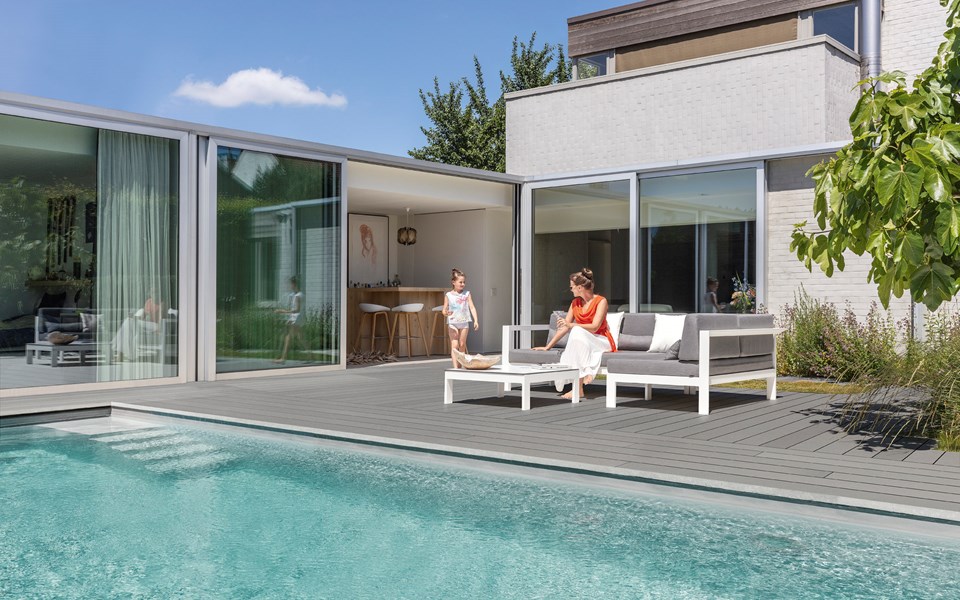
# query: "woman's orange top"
584 314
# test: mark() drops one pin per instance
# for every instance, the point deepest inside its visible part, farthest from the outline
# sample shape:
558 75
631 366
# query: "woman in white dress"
586 325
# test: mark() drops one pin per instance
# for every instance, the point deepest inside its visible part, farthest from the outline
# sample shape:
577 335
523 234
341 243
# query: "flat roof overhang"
59 108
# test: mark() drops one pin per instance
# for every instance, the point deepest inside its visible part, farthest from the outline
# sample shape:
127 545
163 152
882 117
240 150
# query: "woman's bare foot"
568 395
586 380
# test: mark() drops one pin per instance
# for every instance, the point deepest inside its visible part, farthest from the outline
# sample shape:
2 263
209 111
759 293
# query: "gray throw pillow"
673 352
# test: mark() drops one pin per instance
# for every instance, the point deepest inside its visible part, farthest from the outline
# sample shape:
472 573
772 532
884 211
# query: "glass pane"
88 254
839 22
278 261
578 226
591 66
694 227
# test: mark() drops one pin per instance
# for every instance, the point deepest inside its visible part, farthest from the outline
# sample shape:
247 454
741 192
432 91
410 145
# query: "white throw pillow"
614 321
667 331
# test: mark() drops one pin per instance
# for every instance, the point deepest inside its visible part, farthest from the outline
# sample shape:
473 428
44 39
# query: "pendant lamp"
407 236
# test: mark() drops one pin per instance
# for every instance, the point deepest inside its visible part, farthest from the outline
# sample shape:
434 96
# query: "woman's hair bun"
587 273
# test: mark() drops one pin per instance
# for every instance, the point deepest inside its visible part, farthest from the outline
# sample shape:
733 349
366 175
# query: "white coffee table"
56 351
502 375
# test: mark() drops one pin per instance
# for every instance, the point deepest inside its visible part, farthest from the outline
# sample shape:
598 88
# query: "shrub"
820 342
918 393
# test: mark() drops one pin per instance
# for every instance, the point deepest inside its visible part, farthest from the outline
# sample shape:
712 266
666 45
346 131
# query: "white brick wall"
789 201
910 34
789 94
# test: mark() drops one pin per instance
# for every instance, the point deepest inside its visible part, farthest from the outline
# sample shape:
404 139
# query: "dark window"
839 22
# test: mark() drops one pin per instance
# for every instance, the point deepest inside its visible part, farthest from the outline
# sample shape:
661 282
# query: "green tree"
467 128
893 191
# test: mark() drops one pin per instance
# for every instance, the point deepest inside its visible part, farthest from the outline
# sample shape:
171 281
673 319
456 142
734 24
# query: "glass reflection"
695 227
575 226
88 254
278 261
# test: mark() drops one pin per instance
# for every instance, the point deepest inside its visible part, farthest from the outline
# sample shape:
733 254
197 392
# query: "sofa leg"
704 400
611 393
772 388
647 392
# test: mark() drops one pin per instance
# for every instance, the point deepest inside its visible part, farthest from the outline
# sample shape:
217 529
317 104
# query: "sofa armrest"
506 342
706 334
739 332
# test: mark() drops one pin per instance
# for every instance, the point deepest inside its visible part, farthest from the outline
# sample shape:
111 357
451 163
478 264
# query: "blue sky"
359 64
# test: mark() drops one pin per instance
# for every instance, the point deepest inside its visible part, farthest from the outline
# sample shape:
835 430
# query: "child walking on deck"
459 310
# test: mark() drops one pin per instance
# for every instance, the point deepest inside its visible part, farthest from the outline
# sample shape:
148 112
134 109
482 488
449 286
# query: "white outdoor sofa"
714 348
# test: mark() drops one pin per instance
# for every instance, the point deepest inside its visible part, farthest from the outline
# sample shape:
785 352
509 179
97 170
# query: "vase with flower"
744 297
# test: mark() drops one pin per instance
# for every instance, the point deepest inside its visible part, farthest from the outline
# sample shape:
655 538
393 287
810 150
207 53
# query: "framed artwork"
368 249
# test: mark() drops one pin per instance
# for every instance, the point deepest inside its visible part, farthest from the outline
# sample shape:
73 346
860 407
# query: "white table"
36 349
523 376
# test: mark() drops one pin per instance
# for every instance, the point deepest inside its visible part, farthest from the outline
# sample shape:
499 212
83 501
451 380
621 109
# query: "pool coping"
831 501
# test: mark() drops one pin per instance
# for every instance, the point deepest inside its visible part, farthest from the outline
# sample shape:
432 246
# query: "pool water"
166 511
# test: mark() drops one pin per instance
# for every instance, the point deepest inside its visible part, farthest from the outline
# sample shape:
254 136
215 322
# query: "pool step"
166 451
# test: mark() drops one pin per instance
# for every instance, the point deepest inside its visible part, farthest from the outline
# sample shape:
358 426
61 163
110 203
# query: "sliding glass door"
693 227
576 226
89 254
278 258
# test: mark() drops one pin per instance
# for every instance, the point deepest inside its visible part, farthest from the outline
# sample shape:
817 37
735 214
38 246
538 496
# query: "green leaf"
944 148
912 248
948 227
899 184
935 282
936 185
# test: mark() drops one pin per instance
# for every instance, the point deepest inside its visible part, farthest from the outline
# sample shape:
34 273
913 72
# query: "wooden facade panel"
708 43
647 22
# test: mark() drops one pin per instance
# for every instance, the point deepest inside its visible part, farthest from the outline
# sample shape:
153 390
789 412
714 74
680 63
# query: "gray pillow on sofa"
673 352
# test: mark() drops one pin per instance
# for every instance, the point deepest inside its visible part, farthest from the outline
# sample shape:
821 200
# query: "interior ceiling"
45 166
380 189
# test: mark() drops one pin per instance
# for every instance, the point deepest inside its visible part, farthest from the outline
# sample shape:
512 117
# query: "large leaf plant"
893 191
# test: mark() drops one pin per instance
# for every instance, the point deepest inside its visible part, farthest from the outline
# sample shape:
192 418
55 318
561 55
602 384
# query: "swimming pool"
178 510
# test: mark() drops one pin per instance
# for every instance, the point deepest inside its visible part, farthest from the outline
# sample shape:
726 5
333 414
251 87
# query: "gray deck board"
791 444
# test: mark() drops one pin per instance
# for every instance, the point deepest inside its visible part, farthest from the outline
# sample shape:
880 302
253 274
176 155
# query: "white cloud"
258 86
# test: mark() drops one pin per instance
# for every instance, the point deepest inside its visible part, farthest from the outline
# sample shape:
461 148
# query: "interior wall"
478 242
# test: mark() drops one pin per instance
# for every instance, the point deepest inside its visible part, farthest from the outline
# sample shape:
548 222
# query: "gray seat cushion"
676 368
671 368
535 356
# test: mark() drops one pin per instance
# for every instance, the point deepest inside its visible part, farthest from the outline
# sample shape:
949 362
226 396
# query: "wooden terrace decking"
791 448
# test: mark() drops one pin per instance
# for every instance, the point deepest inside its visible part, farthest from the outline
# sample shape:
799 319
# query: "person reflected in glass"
459 310
138 329
585 324
293 318
710 304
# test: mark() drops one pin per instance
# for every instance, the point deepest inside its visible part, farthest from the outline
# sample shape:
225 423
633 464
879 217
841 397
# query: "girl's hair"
583 277
295 281
456 274
712 280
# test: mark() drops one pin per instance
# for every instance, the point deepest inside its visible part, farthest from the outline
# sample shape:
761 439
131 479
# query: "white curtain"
136 250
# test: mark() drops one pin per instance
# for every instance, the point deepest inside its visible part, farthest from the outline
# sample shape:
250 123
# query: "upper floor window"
839 22
592 66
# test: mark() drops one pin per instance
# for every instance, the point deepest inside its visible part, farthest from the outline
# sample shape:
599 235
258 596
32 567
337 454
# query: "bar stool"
439 319
375 310
406 311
